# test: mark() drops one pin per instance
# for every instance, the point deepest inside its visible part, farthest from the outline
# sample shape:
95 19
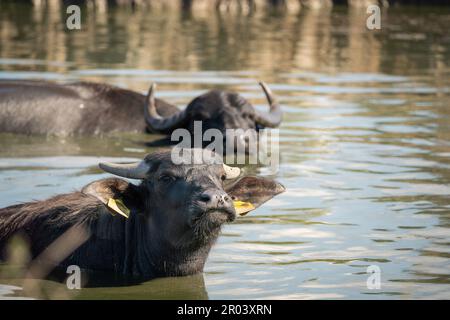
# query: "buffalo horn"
272 118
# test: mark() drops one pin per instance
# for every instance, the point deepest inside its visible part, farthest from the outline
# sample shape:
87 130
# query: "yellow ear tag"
117 206
242 208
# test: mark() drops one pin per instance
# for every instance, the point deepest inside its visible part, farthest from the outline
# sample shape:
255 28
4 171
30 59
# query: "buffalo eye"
223 177
165 178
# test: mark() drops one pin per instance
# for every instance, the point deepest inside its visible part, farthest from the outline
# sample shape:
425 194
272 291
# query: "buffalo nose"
216 199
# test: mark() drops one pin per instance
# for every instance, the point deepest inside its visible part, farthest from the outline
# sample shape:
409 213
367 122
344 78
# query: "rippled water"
365 145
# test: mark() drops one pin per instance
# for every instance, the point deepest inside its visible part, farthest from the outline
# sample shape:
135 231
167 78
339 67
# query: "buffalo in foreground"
175 216
32 107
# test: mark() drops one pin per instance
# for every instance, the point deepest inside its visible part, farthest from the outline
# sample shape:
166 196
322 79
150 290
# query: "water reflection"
364 146
159 39
189 287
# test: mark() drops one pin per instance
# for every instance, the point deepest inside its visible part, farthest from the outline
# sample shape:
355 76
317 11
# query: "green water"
365 144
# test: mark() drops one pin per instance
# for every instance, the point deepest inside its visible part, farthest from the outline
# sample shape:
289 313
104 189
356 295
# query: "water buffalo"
175 216
32 107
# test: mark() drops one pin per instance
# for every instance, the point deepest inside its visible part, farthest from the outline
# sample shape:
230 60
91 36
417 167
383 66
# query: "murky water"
365 145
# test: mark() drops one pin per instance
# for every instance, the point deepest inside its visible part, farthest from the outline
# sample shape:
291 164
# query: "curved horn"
273 118
154 120
137 170
231 172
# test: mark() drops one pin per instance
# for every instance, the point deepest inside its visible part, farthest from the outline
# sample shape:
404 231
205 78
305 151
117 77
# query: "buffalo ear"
114 188
255 190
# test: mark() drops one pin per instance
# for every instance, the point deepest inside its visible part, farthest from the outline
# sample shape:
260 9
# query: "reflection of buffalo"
180 288
32 107
176 213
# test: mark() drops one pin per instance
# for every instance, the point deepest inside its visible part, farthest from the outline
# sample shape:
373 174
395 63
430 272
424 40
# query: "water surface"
365 144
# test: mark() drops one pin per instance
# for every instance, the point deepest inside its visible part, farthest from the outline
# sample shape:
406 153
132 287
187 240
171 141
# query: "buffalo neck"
156 255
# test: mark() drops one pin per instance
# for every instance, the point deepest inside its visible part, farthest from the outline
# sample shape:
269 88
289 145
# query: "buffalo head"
189 203
218 110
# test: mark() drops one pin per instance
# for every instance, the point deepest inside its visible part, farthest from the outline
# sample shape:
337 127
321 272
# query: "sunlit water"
365 144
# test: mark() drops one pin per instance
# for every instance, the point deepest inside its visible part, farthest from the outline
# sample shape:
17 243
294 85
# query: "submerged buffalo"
175 216
31 107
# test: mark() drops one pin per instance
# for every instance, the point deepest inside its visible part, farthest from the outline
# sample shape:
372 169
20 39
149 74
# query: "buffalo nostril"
205 197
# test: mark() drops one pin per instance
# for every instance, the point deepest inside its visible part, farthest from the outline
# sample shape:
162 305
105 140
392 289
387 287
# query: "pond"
365 142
